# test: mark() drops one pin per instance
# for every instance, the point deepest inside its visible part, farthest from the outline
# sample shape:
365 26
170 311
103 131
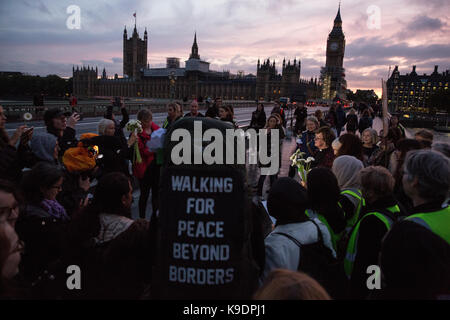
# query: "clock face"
334 46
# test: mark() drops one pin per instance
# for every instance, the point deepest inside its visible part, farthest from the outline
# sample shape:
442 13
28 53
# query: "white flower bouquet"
136 127
303 165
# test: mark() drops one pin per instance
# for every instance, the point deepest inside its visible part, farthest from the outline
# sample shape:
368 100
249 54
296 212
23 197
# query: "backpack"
204 246
317 261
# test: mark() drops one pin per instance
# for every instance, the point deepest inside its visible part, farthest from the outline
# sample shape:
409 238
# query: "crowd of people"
370 199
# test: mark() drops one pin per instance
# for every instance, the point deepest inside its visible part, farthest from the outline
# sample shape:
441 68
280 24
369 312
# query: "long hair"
351 145
229 112
270 117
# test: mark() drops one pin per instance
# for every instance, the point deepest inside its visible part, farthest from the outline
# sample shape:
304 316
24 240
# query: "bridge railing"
15 112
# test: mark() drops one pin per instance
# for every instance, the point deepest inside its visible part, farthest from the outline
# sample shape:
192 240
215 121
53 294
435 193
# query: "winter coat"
282 252
258 120
352 122
43 235
117 260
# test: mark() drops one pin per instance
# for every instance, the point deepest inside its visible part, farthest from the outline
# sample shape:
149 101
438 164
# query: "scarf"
55 209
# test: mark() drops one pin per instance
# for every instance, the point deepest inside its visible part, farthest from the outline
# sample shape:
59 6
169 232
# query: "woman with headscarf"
45 148
295 235
346 169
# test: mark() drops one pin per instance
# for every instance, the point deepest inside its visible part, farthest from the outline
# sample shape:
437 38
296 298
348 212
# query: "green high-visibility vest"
357 194
438 222
352 246
334 237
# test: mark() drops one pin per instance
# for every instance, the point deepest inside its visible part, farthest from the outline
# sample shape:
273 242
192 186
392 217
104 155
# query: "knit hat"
81 158
43 146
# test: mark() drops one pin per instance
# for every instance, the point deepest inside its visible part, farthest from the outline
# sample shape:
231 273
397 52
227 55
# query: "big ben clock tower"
333 74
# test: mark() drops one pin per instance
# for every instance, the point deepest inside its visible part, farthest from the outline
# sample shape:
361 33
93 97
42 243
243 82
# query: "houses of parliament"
196 81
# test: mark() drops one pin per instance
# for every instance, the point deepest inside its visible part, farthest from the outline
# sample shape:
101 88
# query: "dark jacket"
43 235
258 120
307 145
71 195
340 116
364 123
212 112
371 232
404 248
352 122
324 158
331 119
117 261
119 125
13 160
115 154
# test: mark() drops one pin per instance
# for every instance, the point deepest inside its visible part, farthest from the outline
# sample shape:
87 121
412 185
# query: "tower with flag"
134 52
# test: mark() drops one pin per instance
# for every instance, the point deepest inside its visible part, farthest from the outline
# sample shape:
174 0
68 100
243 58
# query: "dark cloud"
432 3
421 24
426 23
377 47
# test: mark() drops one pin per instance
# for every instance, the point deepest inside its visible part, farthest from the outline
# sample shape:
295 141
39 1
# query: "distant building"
195 80
332 76
411 92
134 53
10 73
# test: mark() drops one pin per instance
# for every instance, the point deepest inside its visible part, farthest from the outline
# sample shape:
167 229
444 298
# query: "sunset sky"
231 34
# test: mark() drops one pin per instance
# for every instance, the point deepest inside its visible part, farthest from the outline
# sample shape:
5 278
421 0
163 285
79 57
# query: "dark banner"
202 224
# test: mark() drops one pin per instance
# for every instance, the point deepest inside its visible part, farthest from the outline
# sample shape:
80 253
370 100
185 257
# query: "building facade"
194 81
332 76
411 92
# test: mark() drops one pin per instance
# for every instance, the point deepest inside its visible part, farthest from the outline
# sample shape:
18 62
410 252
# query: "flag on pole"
134 14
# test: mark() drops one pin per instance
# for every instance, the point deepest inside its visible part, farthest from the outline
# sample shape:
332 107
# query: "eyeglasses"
10 213
57 187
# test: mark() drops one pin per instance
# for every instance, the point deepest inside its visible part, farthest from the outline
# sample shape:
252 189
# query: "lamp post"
172 80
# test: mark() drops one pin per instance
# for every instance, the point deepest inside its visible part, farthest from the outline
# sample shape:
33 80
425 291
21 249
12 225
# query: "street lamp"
172 80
